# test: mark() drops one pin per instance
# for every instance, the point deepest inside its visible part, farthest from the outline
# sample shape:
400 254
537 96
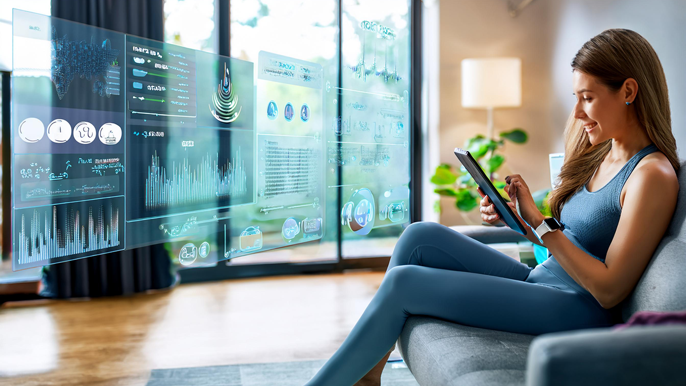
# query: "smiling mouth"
590 126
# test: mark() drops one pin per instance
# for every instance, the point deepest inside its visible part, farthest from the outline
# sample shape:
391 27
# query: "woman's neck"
632 140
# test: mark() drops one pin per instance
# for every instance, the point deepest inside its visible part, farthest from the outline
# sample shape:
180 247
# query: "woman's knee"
400 278
420 231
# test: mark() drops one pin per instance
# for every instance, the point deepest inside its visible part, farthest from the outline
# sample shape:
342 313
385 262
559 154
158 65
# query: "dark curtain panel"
131 271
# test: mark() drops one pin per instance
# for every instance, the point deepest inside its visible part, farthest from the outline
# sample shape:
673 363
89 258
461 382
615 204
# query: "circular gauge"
305 113
59 131
363 213
31 130
290 229
288 112
272 110
110 134
361 216
188 254
84 133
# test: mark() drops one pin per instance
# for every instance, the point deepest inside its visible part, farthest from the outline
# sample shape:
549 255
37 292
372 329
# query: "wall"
546 35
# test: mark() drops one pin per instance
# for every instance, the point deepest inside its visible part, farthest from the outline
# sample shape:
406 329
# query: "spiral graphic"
224 101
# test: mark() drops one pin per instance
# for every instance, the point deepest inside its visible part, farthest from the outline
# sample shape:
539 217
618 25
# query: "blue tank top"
591 218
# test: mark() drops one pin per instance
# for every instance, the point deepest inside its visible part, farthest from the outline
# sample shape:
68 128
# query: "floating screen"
120 142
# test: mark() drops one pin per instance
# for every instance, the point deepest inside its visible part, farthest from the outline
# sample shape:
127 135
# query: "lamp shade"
492 82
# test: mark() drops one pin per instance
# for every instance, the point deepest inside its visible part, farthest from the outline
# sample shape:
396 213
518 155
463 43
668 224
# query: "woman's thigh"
488 301
434 245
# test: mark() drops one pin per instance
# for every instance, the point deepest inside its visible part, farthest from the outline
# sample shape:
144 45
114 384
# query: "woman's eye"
587 99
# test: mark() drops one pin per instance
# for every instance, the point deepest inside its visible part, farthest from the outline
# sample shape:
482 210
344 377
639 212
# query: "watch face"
553 223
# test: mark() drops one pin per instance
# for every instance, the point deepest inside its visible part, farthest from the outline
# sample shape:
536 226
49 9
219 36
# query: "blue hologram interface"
120 142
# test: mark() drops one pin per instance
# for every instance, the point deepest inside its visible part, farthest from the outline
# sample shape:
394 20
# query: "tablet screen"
487 187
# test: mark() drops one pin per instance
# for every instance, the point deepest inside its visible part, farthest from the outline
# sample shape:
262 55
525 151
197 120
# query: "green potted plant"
453 181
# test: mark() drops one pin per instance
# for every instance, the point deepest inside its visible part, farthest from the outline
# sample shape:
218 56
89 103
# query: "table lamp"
491 82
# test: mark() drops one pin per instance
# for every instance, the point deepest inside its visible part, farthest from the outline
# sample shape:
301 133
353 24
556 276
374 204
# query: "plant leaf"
541 200
448 192
495 162
443 176
466 200
437 207
516 135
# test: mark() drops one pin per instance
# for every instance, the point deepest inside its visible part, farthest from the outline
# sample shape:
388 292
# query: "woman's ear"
629 90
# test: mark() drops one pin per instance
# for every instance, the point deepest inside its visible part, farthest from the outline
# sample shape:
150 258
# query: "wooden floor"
117 341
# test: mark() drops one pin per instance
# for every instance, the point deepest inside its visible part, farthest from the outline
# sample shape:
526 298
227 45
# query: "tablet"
487 187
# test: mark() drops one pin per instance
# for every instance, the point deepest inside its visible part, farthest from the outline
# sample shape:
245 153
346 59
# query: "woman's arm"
649 203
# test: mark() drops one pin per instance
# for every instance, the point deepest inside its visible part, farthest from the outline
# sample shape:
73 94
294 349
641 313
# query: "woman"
616 195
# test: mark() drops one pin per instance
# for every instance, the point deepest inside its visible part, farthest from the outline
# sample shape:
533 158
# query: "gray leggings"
435 271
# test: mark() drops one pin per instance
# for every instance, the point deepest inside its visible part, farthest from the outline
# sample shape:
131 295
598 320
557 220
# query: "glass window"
373 129
191 24
302 30
37 6
6 6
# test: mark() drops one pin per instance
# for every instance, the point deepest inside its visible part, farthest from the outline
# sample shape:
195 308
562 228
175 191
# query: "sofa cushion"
444 353
663 284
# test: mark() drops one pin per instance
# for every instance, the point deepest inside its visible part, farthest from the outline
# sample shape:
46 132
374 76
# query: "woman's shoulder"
656 171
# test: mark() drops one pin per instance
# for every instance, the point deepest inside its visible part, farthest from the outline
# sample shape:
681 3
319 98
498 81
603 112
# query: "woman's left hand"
519 191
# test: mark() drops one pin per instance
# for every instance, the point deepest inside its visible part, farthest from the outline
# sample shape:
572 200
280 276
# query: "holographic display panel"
369 138
68 154
120 142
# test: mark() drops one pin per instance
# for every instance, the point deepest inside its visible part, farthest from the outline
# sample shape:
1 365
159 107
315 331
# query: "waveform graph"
186 183
56 233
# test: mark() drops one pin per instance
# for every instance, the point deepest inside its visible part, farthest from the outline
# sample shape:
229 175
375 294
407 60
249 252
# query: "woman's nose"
578 111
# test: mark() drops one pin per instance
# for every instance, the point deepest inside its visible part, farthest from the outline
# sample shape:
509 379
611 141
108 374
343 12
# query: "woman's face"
602 111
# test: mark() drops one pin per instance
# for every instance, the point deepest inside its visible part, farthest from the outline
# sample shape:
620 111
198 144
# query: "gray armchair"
443 353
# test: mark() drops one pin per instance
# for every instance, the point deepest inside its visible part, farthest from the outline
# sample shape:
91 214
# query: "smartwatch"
549 224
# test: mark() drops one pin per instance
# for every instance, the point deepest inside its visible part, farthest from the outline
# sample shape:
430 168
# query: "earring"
627 103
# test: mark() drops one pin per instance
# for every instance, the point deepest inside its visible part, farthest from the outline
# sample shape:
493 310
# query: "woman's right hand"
488 213
487 209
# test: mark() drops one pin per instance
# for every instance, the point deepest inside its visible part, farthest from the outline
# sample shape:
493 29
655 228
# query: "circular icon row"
288 111
31 130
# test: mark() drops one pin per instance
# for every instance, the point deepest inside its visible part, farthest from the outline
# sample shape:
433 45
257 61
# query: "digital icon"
305 113
250 239
394 204
224 106
358 212
188 254
84 133
204 249
272 110
290 228
110 134
312 228
395 212
31 130
288 112
59 131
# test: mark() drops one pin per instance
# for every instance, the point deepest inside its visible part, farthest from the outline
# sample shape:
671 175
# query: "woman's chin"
594 139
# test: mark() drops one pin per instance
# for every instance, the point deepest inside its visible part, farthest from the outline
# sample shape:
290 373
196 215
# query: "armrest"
490 234
641 355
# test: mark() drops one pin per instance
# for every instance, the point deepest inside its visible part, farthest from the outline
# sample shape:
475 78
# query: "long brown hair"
614 56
